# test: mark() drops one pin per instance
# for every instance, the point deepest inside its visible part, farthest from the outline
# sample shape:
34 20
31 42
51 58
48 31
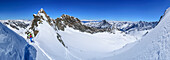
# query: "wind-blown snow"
14 47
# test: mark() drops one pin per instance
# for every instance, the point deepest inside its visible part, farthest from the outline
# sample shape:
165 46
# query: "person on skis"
30 36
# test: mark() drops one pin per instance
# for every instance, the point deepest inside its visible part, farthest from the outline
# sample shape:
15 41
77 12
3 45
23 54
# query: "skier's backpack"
30 35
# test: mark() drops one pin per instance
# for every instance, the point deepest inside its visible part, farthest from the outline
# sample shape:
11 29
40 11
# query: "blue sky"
117 10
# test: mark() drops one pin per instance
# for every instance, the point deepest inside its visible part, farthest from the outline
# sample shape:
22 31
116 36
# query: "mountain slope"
18 26
14 47
92 46
71 43
66 38
48 42
154 46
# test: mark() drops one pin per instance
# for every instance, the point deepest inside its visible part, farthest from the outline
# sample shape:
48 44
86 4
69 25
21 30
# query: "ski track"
43 52
67 52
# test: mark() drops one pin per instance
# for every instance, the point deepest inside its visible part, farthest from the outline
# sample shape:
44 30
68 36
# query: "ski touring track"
68 54
36 44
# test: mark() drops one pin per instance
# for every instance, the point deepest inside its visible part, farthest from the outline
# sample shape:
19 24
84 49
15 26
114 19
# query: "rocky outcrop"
38 18
75 23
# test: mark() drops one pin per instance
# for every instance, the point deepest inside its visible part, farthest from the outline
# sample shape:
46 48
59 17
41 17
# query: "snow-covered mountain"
14 47
75 43
99 25
154 46
68 35
18 26
67 38
123 26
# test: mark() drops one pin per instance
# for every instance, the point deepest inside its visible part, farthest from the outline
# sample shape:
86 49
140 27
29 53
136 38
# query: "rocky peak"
70 19
66 20
104 25
41 15
41 11
104 22
75 23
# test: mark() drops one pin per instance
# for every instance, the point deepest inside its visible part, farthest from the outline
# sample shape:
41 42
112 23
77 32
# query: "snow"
43 15
21 31
98 46
154 46
90 46
13 46
139 34
81 45
46 42
124 26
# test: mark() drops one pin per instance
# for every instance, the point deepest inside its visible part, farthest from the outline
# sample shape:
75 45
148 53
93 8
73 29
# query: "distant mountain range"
119 25
122 25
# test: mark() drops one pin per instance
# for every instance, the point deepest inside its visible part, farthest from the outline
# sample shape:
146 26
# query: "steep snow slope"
18 26
154 46
14 47
48 44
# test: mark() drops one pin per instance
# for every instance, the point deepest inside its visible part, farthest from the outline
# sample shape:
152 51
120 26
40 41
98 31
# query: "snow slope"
91 46
46 42
14 47
80 46
18 26
154 46
76 45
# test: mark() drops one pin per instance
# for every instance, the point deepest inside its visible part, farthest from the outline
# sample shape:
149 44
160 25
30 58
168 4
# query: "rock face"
14 47
104 25
75 23
72 22
62 22
38 18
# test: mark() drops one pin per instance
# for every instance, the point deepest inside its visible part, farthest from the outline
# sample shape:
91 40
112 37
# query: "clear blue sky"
119 10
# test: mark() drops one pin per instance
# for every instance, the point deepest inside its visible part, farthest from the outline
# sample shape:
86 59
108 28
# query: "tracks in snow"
35 44
68 57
